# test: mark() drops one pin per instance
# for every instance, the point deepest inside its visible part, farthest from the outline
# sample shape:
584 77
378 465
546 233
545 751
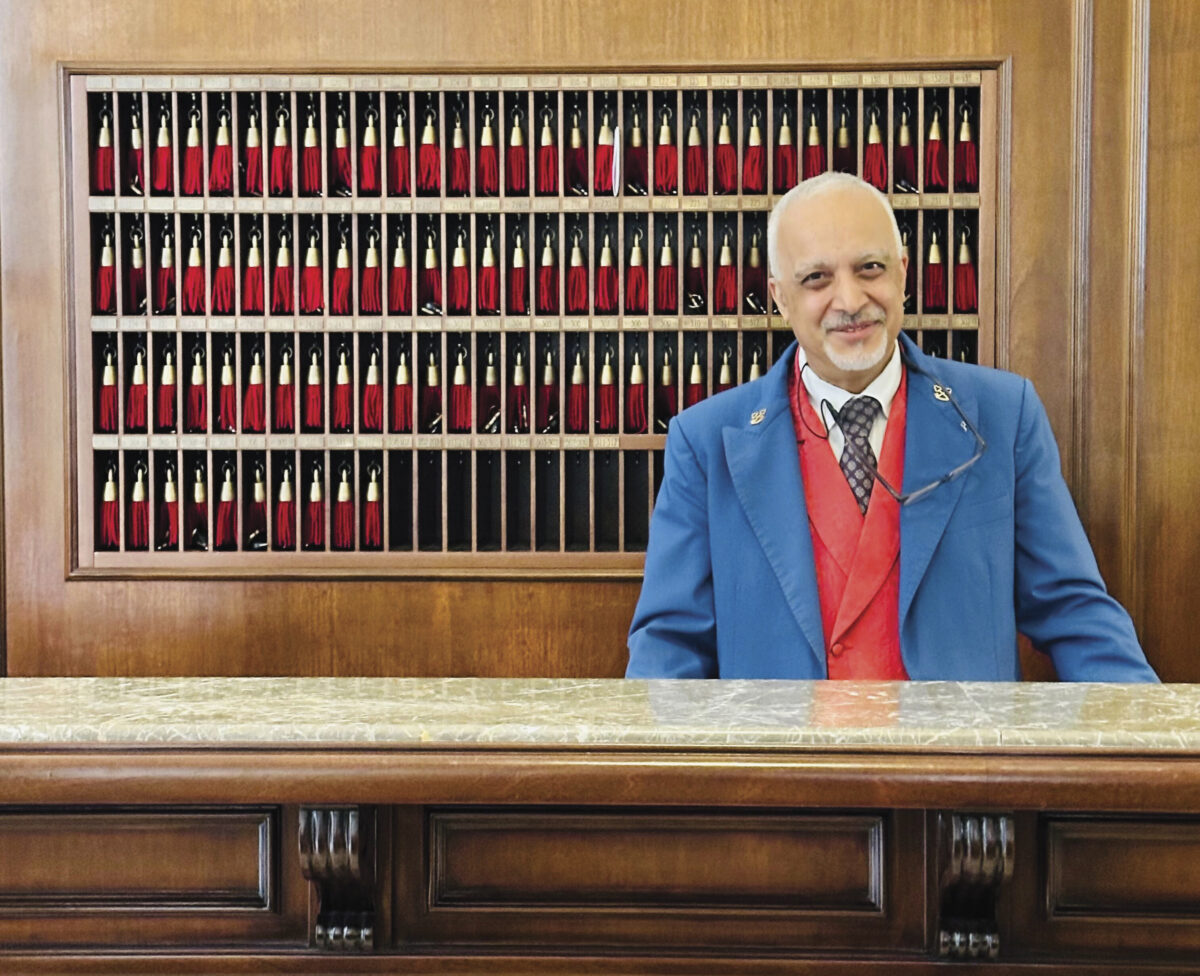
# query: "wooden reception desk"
325 826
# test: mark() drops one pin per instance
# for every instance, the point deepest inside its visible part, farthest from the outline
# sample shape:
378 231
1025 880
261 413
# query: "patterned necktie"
855 420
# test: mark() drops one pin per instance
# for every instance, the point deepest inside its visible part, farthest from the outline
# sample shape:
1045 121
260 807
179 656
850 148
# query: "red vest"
857 558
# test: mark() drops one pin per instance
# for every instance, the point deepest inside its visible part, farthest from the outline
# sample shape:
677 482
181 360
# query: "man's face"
841 284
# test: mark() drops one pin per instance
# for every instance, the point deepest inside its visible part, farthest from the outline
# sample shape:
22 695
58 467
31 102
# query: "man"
865 511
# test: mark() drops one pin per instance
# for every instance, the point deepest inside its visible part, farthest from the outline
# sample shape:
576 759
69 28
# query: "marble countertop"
593 714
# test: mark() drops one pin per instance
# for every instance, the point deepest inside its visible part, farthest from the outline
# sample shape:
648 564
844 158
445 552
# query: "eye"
813 278
873 268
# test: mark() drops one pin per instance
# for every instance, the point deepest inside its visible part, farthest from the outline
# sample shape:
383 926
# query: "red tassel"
635 408
460 170
666 168
164 295
252 290
310 170
139 525
875 166
666 286
604 161
281 171
135 169
695 177
226 533
576 167
135 406
256 524
312 290
547 408
547 170
665 406
312 407
966 294
170 525
370 300
814 161
431 287
220 177
547 290
577 408
285 525
193 171
193 290
400 291
164 178
197 408
906 167
935 165
488 171
910 280
284 417
966 166
252 166
197 525
843 159
606 289
342 413
460 290
254 409
136 299
431 409
518 409
577 290
696 287
106 294
429 165
754 170
368 169
227 408
460 408
372 408
402 408
399 167
635 290
282 301
754 284
725 300
725 175
342 170
372 525
693 394
222 291
340 297
635 168
166 407
935 287
516 170
108 409
110 536
487 285
518 291
785 168
102 170
343 525
314 525
606 423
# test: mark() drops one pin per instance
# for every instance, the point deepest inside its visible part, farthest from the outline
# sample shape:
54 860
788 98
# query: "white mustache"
834 323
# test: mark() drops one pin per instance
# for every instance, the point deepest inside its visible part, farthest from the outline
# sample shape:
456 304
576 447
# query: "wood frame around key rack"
581 518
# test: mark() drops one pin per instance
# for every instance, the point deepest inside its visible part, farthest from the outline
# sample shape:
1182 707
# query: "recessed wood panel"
134 861
582 861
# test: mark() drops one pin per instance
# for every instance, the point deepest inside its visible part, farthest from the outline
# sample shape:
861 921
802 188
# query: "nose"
848 294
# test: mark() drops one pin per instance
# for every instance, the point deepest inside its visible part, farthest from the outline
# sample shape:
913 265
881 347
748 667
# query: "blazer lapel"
934 444
765 469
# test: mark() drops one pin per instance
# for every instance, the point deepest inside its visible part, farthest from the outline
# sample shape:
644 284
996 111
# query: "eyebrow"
821 263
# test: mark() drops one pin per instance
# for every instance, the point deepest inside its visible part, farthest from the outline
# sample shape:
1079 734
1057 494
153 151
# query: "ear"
775 287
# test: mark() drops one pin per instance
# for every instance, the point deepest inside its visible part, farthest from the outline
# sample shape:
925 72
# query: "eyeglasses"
907 498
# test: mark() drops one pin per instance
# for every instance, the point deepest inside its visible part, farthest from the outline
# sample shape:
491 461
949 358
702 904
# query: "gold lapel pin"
941 393
758 416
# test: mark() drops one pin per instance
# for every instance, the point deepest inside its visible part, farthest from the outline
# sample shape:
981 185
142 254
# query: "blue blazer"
730 588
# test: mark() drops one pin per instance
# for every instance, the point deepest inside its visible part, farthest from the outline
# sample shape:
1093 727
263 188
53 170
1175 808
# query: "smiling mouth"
853 330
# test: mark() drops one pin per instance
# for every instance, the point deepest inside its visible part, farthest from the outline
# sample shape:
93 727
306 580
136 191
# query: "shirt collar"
883 388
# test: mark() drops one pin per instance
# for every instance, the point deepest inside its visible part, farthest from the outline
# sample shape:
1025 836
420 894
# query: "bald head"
791 206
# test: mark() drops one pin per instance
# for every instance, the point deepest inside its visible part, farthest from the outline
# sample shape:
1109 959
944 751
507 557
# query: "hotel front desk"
466 826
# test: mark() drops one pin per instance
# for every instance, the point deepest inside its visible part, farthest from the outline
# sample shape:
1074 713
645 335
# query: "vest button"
837 649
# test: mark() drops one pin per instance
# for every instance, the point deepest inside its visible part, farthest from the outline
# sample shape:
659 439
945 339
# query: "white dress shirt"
883 388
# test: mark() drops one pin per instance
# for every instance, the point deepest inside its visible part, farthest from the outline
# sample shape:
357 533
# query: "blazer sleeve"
1061 601
673 634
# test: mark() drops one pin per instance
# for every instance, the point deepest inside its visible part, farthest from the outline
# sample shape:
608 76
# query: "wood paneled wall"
1085 81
